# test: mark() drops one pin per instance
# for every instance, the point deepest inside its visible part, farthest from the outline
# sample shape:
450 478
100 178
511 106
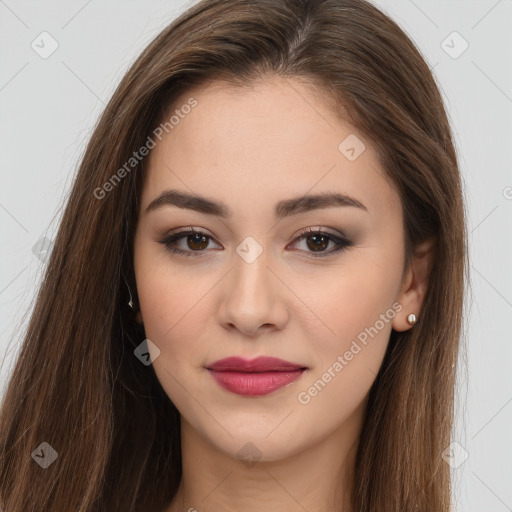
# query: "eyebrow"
285 208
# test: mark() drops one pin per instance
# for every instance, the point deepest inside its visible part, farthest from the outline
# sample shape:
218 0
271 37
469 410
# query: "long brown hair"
77 385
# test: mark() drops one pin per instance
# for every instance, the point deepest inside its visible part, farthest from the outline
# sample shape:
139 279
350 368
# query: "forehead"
250 147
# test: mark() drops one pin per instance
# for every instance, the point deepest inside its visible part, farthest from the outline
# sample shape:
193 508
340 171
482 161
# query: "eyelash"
340 241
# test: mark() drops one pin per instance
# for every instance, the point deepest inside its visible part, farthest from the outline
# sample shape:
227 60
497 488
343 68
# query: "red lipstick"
254 377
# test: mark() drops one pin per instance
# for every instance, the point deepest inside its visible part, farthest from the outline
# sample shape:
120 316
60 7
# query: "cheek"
357 309
172 307
174 319
353 306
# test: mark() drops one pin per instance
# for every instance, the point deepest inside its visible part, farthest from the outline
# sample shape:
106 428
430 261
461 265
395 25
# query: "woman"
254 301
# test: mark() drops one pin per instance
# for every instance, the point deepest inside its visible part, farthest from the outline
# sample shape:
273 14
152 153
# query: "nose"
253 298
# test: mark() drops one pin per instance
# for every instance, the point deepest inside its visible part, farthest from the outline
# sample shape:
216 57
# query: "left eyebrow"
285 208
307 203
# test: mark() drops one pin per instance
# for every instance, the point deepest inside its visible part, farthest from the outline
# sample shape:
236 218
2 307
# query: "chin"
252 445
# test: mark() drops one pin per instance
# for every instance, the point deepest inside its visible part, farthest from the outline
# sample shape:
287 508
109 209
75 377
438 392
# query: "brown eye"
196 242
317 241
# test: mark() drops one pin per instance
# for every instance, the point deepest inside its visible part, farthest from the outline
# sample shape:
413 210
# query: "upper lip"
260 364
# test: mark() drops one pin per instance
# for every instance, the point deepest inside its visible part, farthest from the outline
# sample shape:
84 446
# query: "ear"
414 284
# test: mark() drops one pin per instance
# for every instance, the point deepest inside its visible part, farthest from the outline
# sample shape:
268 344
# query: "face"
255 282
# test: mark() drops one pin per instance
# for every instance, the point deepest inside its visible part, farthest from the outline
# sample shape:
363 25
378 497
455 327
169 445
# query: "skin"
250 148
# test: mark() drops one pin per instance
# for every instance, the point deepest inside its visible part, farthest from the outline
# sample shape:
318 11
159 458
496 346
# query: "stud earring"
411 319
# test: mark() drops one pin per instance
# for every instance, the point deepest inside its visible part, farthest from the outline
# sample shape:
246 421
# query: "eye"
316 239
197 241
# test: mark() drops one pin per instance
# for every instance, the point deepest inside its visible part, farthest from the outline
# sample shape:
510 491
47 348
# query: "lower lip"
255 384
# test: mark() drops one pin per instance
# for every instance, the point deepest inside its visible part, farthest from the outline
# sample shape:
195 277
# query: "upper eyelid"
304 231
179 234
316 229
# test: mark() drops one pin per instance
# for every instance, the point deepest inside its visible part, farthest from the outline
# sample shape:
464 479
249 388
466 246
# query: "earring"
138 316
130 302
411 319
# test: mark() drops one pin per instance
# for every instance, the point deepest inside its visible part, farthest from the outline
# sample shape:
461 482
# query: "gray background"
49 105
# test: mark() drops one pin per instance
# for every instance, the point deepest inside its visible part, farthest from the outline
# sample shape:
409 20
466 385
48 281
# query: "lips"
257 377
260 364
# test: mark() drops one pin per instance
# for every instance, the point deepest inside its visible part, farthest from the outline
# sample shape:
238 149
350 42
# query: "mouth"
257 377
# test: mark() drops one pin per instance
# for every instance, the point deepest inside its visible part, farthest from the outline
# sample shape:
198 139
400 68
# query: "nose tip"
250 300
